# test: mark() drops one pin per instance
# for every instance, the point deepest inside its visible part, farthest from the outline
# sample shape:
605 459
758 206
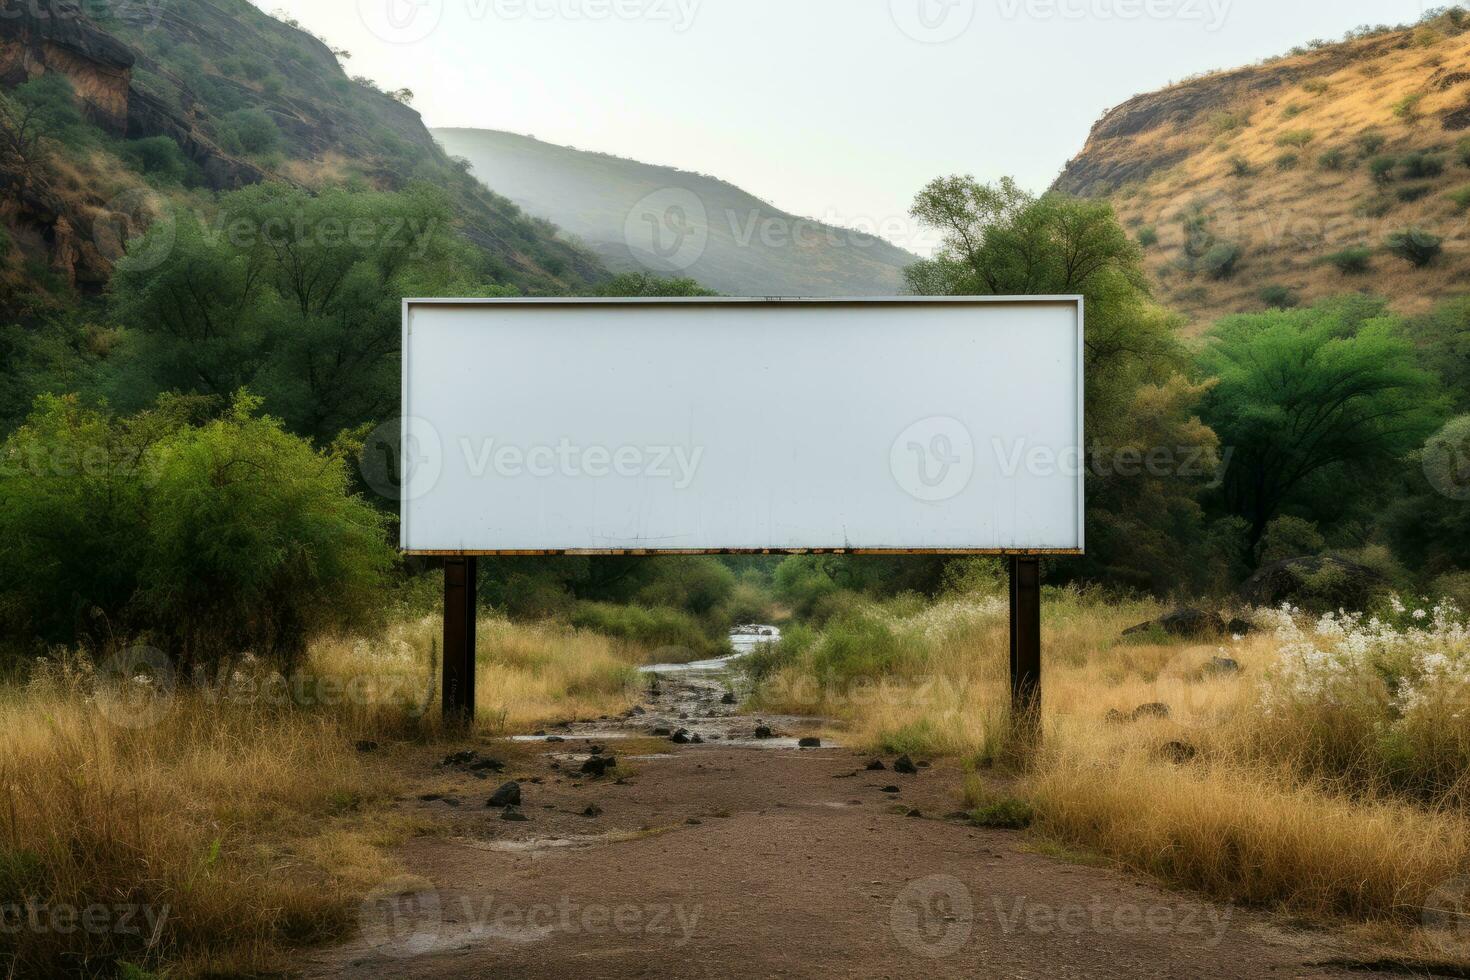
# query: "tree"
1148 453
33 116
1443 339
641 284
297 297
1313 400
1429 521
207 537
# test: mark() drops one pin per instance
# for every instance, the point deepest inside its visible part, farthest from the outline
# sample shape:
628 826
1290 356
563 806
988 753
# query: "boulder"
1190 623
729 698
876 765
905 766
1223 665
507 795
1154 709
598 765
809 743
764 731
593 810
1320 584
1240 627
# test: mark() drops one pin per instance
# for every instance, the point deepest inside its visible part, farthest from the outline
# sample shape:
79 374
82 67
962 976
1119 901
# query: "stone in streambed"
809 743
904 766
876 766
598 765
507 795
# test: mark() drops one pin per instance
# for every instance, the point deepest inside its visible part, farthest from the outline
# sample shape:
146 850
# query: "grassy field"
1327 778
217 829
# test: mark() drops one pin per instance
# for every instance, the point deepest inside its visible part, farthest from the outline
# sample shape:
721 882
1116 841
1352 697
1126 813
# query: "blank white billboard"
711 426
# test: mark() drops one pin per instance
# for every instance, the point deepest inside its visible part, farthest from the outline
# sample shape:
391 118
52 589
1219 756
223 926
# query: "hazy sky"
834 109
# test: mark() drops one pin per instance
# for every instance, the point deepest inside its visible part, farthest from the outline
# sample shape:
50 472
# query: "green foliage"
1288 161
1415 246
1280 297
1148 236
1429 522
293 296
204 537
1412 193
1003 813
1296 137
1407 108
249 131
1221 260
158 157
641 284
1290 537
1443 341
1312 401
1461 199
54 105
1352 261
1226 122
1001 241
1462 151
1420 166
1333 159
1370 143
1240 166
1382 169
677 635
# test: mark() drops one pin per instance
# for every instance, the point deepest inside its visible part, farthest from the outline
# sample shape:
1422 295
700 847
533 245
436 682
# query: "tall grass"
1326 776
241 816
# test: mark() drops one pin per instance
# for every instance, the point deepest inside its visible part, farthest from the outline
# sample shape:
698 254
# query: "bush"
158 157
1288 161
1370 143
1220 261
1416 192
1415 246
1382 168
1352 261
1148 236
205 538
250 131
1296 137
1461 198
1280 297
1407 108
1290 537
1419 166
1462 151
1240 166
677 635
1334 159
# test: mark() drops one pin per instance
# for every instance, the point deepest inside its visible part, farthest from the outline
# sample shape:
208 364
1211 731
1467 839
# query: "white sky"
834 109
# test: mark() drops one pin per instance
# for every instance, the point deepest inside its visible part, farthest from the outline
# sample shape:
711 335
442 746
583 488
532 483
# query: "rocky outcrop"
57 36
1319 583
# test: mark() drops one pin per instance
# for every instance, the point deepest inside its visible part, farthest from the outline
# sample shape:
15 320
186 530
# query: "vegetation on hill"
704 228
1342 167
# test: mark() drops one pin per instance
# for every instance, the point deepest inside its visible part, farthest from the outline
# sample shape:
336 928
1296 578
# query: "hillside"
729 240
1283 182
245 97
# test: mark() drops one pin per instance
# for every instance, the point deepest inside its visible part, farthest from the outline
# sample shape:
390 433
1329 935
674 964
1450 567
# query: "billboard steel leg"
458 687
1026 644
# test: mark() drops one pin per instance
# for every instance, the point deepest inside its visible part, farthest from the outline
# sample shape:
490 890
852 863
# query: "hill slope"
1284 166
205 74
638 217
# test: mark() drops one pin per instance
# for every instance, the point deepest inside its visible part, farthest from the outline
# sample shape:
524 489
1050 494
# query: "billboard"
708 426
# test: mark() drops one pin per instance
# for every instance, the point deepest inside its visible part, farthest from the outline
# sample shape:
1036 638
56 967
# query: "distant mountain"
1285 181
642 217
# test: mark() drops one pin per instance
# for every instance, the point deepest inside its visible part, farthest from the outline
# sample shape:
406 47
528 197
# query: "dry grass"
243 818
1248 816
1289 220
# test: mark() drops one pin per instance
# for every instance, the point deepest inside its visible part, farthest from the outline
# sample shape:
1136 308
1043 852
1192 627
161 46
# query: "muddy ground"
741 856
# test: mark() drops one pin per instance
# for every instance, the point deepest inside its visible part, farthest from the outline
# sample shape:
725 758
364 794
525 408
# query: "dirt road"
750 857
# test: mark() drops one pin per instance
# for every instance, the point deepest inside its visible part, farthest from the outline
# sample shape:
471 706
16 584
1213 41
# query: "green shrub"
1290 537
677 635
1352 261
1279 297
1370 143
1334 159
1288 161
1240 166
1412 193
1221 260
1407 108
1292 111
1461 198
1225 122
1415 246
1148 236
156 156
1462 151
1377 206
1382 169
1419 166
204 537
249 131
1003 813
1316 86
1296 137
